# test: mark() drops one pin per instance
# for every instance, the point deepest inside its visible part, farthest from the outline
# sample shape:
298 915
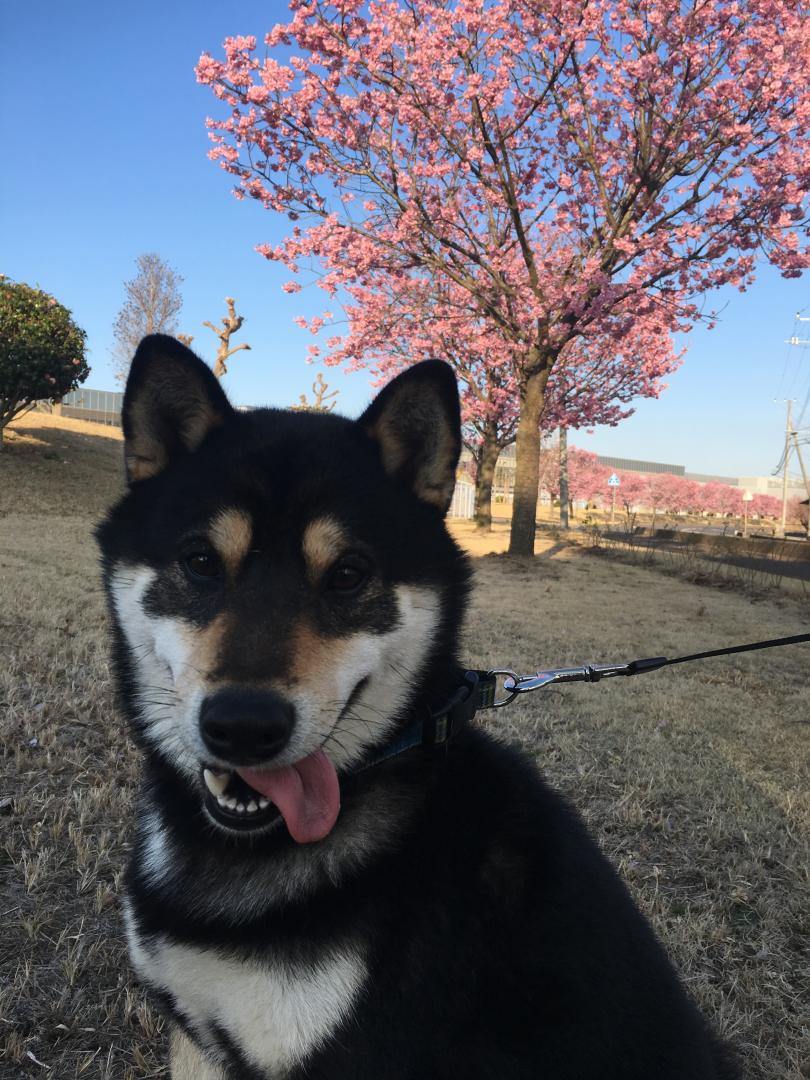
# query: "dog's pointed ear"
416 422
172 401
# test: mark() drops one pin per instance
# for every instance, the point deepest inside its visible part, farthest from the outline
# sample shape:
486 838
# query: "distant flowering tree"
731 501
632 491
663 494
797 512
549 470
41 350
712 497
571 167
587 479
766 506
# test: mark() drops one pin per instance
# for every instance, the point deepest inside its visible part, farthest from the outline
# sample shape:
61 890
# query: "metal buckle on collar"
443 723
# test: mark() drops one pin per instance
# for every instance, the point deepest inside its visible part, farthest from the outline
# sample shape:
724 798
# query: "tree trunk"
527 464
564 500
487 460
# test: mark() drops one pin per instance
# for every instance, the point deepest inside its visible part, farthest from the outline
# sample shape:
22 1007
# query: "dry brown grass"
695 781
57 466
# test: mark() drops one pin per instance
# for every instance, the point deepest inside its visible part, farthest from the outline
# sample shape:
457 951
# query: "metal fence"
463 502
102 406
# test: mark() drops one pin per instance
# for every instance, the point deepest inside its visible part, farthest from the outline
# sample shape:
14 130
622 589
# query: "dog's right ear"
172 401
416 422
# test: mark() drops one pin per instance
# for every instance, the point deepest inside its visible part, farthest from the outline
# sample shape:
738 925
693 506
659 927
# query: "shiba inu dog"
310 895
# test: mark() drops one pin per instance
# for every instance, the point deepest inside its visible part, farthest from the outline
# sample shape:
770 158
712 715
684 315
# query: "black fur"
500 943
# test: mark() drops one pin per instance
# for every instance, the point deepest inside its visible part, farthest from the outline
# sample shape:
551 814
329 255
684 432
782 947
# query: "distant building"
645 467
710 478
772 485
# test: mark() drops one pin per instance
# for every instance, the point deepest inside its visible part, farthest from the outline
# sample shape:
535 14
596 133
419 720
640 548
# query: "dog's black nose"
246 727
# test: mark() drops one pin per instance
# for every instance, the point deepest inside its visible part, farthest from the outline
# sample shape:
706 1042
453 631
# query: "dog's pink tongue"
307 794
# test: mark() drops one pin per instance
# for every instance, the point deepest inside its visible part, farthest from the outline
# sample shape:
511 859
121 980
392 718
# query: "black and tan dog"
307 898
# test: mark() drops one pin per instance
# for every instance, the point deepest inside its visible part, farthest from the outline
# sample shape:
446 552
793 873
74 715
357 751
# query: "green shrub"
42 350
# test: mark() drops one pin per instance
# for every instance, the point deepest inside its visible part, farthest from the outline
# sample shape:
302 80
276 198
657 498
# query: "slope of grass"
694 780
60 467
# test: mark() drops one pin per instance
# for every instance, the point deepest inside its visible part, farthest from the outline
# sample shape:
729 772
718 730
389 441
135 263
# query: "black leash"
794 640
479 690
513 684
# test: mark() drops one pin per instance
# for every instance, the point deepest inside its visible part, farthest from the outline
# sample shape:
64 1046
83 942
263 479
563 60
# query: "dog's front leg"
187 1062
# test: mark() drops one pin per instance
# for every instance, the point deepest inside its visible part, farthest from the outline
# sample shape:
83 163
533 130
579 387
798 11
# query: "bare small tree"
185 339
230 324
323 401
153 302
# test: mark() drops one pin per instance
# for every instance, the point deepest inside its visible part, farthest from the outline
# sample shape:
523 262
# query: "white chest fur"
275 1012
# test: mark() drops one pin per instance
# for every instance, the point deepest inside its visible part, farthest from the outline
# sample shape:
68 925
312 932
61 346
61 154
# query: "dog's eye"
347 576
201 565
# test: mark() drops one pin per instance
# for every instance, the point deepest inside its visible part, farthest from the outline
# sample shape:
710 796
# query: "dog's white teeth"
216 782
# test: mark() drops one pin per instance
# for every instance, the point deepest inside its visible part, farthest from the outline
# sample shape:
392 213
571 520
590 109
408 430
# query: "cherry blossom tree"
766 506
798 512
571 167
663 494
731 501
587 479
632 492
549 469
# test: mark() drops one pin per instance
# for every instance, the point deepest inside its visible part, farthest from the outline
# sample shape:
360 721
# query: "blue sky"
102 126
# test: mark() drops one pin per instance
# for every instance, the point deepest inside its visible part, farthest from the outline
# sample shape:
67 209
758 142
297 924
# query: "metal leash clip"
513 684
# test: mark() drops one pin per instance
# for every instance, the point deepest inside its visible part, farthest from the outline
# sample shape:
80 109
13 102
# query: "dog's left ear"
416 422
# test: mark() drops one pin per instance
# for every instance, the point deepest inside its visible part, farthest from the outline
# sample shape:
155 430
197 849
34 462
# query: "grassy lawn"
695 780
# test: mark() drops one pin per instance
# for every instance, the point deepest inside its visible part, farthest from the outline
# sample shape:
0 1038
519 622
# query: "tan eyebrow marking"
323 541
231 533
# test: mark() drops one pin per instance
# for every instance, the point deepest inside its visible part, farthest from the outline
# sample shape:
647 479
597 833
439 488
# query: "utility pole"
804 477
801 463
788 433
564 478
